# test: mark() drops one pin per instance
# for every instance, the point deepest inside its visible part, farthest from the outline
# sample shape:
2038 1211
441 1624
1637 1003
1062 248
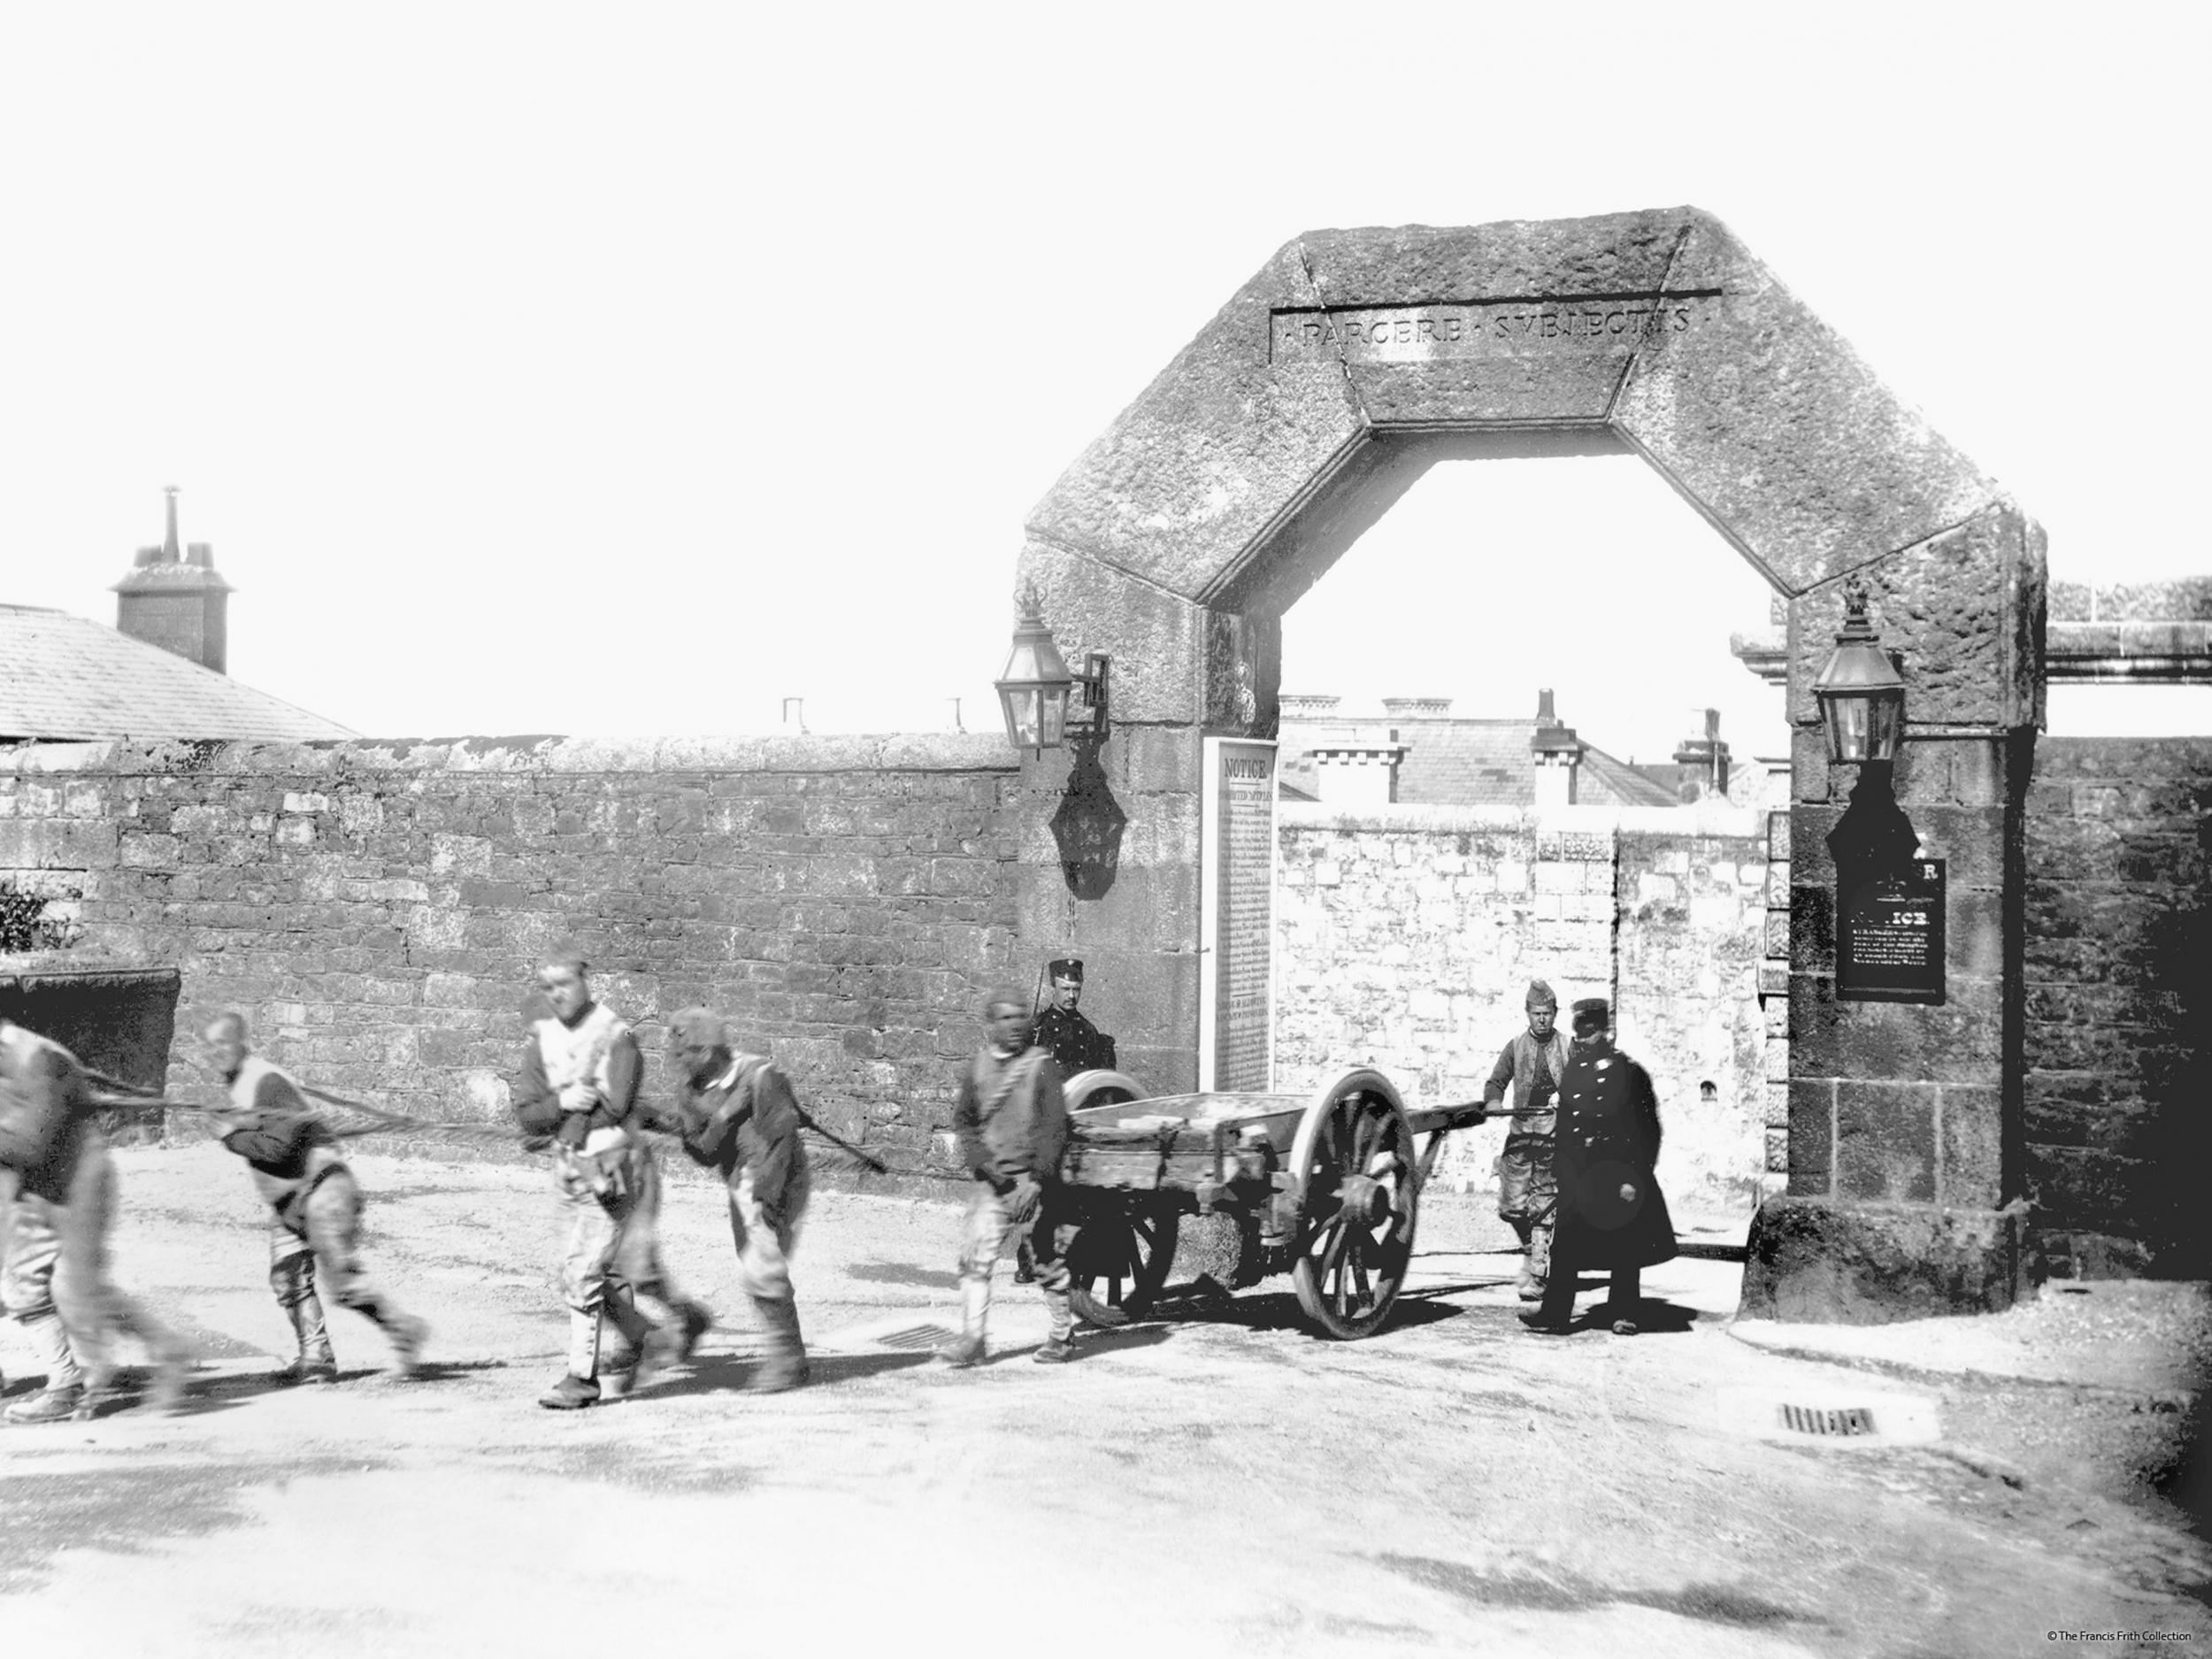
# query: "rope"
383 1121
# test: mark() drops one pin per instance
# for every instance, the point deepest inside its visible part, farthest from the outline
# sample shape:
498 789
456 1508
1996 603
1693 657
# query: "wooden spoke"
1123 1257
1353 1156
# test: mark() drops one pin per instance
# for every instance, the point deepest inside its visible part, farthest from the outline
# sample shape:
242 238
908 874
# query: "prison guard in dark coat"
1608 1131
1076 1044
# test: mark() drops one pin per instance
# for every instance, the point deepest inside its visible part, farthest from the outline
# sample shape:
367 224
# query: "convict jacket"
285 1142
46 1113
1010 1118
595 1048
748 1119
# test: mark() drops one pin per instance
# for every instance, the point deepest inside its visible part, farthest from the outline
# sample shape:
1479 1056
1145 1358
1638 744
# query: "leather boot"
966 1349
697 1319
316 1363
1536 1266
52 1405
785 1365
580 1387
649 1345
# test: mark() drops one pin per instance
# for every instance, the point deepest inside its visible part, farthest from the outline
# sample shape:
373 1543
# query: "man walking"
577 1095
55 1281
316 1226
1013 1126
1611 1212
737 1114
1527 1193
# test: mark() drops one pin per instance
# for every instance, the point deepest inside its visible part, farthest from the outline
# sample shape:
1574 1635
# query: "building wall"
377 909
1406 939
2119 954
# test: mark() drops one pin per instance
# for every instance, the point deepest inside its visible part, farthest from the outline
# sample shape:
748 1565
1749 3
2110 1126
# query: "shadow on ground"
728 1374
1565 1592
904 1273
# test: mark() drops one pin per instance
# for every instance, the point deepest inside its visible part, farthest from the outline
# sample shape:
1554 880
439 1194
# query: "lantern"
1034 689
1862 695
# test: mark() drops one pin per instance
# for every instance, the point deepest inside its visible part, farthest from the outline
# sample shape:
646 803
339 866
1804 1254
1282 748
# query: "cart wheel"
1354 1159
1122 1257
1100 1087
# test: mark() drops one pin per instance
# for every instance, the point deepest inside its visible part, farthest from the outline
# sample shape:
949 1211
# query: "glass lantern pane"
1022 715
1886 718
1056 715
1848 728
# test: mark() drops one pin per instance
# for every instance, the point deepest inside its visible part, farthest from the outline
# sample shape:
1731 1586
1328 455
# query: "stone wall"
1407 936
376 908
2119 954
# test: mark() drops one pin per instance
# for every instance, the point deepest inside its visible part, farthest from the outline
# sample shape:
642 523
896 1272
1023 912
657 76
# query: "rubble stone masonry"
1407 936
2119 1004
377 909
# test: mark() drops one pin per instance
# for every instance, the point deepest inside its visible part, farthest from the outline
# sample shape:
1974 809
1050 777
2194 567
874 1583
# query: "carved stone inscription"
1483 328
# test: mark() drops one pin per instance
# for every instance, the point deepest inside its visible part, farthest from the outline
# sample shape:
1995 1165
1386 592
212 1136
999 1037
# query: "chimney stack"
1418 708
1557 752
1702 762
176 600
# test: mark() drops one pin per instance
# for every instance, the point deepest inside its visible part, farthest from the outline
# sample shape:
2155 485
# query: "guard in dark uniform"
1076 1045
1611 1212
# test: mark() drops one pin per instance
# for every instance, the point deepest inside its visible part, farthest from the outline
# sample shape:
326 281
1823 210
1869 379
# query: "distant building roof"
64 676
1451 762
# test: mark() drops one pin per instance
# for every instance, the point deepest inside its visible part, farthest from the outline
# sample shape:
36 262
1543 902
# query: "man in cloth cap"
1012 1124
1611 1212
316 1227
55 1166
737 1114
576 1094
1527 1195
1076 1044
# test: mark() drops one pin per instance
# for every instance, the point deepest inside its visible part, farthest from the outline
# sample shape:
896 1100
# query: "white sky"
544 368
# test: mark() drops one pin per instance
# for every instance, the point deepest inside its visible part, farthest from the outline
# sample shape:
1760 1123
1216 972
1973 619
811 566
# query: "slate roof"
64 676
1463 762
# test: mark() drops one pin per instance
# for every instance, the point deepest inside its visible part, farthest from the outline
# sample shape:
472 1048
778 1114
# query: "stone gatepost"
1180 672
1906 1165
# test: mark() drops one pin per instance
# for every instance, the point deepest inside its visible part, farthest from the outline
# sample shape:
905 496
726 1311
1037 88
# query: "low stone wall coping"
922 751
1705 817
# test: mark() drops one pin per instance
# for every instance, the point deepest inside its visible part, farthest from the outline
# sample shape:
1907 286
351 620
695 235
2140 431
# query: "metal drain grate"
1816 1420
915 1336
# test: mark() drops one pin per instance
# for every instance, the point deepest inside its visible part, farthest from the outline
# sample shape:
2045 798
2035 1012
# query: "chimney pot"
178 603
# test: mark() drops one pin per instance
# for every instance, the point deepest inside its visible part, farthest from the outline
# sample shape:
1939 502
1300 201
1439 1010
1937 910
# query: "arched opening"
1514 744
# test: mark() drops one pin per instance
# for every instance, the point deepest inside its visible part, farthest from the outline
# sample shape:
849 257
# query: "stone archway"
1354 359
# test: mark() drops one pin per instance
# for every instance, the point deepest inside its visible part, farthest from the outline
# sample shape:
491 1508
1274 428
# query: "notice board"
1236 920
1889 935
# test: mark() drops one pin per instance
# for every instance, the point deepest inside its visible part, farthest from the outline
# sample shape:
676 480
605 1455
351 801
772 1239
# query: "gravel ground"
1217 1482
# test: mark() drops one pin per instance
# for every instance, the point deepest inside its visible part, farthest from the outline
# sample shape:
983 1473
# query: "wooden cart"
1324 1186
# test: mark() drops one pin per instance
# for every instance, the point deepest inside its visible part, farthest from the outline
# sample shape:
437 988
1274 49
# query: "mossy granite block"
1817 1262
1155 640
1950 609
1969 1149
1812 1133
1885 1142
